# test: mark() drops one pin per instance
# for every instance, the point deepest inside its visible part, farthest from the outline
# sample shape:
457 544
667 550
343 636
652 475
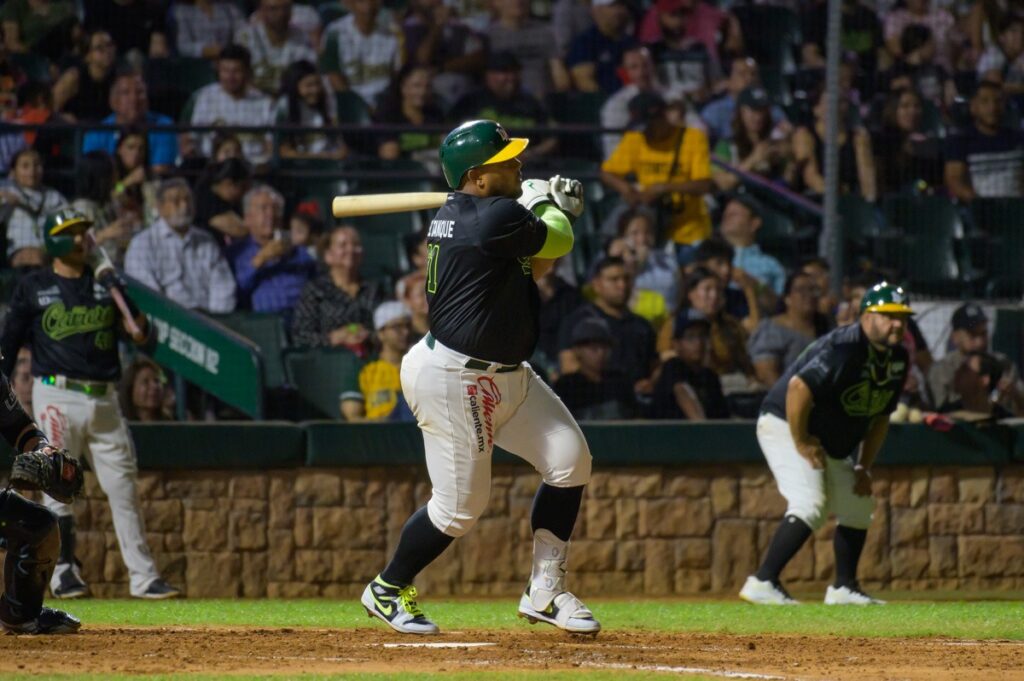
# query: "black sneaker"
67 582
50 621
397 607
159 590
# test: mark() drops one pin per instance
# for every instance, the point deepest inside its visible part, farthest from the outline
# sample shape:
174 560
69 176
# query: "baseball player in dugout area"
67 317
821 427
468 383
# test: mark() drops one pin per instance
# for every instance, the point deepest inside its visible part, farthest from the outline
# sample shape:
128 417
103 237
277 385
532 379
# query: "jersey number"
432 252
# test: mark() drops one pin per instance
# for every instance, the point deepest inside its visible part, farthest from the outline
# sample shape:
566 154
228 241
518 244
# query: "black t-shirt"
208 206
904 162
704 382
634 351
130 24
851 383
552 312
611 398
995 162
480 290
92 101
70 325
683 69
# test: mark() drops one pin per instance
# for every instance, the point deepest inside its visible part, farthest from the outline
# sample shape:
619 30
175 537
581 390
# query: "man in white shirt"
232 100
178 260
273 44
360 53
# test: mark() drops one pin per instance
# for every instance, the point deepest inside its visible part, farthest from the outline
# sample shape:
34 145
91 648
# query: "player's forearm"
799 402
541 266
560 238
874 440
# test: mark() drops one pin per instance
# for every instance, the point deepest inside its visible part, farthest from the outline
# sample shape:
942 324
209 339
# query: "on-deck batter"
469 385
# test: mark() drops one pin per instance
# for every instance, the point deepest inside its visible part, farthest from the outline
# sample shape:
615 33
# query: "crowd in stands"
674 306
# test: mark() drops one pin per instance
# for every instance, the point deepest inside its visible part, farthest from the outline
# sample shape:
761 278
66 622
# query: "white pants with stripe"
812 494
92 427
463 413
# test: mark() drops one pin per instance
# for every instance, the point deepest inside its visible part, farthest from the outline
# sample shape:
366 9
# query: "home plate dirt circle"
150 650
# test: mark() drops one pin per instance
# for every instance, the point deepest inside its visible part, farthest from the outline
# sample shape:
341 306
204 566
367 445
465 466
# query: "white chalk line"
444 644
680 670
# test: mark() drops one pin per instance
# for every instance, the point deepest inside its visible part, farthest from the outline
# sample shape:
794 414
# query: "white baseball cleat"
565 611
845 595
761 592
396 607
546 598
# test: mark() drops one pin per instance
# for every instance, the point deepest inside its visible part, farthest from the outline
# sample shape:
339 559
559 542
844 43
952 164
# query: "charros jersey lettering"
482 298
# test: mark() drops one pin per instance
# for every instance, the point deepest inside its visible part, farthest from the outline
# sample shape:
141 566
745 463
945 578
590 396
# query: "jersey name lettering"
441 229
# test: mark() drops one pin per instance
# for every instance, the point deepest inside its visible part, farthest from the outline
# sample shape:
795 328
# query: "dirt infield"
214 650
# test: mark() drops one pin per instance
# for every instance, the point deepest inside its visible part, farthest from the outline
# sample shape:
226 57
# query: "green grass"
547 675
958 619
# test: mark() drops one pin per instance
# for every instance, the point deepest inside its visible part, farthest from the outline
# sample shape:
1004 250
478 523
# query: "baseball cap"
591 330
688 323
503 61
752 204
387 313
968 316
645 106
754 97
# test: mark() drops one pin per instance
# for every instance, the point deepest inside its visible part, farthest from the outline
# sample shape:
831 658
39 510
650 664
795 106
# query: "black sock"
66 525
555 509
848 544
420 544
788 539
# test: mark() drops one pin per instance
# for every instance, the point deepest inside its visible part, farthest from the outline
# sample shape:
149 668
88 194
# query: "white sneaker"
765 593
844 595
565 611
397 607
546 598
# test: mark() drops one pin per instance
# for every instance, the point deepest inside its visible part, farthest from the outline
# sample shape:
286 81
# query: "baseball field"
673 639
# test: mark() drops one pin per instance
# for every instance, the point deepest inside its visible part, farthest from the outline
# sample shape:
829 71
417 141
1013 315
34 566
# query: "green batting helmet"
885 297
58 242
474 144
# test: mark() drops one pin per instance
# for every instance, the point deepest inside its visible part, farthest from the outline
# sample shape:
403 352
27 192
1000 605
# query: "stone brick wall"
652 531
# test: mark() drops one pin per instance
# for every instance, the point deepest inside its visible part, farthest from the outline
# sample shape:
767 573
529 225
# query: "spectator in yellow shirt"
380 386
667 168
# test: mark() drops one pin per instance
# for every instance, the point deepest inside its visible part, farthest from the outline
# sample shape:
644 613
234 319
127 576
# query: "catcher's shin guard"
545 598
33 544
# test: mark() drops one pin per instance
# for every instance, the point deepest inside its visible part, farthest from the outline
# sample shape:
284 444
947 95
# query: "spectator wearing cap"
987 160
779 340
219 193
129 104
269 270
741 219
686 65
179 260
634 352
595 391
533 43
971 335
336 308
595 54
438 40
672 167
687 388
718 114
379 395
273 44
360 51
976 381
502 98
756 145
233 100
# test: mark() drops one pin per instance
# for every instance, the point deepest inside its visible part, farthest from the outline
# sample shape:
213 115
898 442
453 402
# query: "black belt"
477 364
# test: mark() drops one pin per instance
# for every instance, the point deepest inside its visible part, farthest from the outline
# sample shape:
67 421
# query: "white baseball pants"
93 428
463 413
812 493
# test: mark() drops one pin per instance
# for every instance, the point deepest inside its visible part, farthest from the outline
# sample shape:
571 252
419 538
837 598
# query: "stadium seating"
321 375
173 82
1000 240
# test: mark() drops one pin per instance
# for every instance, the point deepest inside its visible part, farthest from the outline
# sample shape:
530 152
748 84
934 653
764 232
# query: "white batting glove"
535 192
567 194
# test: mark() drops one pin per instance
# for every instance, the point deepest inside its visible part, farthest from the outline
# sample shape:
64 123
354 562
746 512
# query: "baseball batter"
468 383
821 427
67 317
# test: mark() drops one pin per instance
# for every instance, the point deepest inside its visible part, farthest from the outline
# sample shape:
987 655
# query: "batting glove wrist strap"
535 193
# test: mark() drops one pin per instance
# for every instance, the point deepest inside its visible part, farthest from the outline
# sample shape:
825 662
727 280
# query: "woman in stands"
409 101
30 201
306 100
757 145
83 89
909 157
143 392
134 187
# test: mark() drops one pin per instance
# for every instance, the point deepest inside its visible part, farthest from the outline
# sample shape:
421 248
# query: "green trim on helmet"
886 298
57 243
476 143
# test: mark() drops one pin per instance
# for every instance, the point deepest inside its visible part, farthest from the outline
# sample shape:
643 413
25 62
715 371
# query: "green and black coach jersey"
851 382
482 298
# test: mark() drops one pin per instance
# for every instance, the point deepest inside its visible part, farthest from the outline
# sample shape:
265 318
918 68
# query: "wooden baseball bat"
378 204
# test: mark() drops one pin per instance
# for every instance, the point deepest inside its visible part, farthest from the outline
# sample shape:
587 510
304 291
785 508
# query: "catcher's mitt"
53 471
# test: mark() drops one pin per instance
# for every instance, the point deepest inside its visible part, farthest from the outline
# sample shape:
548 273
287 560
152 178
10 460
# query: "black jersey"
851 383
69 324
482 298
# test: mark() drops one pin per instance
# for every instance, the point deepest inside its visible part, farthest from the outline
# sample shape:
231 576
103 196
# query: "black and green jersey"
70 325
851 381
482 298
